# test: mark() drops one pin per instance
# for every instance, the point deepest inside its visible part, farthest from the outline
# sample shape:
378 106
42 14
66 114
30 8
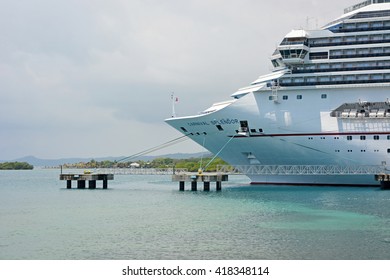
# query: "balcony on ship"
362 110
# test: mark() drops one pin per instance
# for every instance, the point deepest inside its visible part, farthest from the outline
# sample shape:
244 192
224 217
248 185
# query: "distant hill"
57 162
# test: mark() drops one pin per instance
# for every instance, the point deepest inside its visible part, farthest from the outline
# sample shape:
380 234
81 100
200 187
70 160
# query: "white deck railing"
302 169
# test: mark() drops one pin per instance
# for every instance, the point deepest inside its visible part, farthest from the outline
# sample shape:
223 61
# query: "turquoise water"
146 217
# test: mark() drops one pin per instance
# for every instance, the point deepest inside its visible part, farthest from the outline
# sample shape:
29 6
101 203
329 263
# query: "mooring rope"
216 155
156 148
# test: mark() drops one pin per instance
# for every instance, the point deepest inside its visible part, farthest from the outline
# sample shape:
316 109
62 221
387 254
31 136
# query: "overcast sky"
92 78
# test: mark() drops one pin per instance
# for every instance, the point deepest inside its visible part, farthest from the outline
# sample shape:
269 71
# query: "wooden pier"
384 179
194 178
83 178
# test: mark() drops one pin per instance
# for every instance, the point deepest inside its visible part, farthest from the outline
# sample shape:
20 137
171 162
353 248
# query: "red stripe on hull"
315 184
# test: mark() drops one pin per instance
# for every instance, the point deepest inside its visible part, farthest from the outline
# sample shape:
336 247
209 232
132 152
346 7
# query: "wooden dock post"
194 186
181 186
206 186
92 184
218 186
81 184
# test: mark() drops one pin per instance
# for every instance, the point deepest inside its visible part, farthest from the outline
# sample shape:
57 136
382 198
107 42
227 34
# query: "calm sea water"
146 217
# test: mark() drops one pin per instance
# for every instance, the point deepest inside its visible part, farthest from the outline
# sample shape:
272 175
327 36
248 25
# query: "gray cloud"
94 78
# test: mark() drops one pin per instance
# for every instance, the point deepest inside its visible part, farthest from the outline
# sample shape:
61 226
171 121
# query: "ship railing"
302 169
359 5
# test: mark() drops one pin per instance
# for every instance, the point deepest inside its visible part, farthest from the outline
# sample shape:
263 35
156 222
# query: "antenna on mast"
174 100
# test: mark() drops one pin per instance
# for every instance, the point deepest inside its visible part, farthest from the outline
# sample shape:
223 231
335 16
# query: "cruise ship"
321 117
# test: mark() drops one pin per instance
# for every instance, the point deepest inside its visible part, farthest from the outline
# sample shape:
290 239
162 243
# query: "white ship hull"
295 132
300 125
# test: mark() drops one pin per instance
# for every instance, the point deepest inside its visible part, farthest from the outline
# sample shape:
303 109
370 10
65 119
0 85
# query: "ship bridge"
294 47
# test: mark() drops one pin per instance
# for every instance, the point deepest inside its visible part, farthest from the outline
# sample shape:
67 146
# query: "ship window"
270 98
303 54
377 77
285 97
182 128
219 127
244 126
293 53
336 52
298 80
324 79
336 40
388 151
324 96
363 137
318 55
362 25
299 96
362 77
260 130
388 137
253 130
336 78
349 137
376 137
295 41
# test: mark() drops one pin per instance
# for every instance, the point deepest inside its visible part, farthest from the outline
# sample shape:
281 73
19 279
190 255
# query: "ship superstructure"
325 104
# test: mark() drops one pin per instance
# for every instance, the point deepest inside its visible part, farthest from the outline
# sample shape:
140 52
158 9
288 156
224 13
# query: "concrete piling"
194 178
82 178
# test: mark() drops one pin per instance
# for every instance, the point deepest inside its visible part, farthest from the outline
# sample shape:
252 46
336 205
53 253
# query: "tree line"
191 164
16 166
